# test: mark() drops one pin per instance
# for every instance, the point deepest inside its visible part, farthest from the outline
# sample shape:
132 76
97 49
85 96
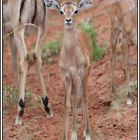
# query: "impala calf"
75 61
18 13
123 21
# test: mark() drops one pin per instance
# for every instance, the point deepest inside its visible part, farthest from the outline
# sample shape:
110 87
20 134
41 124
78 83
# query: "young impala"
123 21
75 61
16 14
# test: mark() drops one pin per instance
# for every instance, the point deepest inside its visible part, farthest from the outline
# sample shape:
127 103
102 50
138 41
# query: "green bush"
52 47
98 51
11 95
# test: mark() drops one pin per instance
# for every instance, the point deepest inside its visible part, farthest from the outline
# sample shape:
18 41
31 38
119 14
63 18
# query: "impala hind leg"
38 63
133 38
125 48
20 43
14 60
75 101
87 133
114 38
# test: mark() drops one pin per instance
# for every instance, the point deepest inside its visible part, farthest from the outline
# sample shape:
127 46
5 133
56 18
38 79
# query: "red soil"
106 124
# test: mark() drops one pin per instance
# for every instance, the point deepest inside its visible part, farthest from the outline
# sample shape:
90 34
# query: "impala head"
68 8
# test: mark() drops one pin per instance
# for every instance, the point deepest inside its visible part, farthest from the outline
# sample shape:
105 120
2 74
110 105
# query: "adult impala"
123 21
17 14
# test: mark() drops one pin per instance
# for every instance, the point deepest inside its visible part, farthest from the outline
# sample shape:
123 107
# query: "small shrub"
11 95
52 47
98 51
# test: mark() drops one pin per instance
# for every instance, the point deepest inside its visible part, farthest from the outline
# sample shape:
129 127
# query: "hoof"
18 121
88 137
129 102
74 136
64 138
50 115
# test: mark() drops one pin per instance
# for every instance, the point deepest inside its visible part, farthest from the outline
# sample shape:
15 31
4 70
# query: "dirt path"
109 120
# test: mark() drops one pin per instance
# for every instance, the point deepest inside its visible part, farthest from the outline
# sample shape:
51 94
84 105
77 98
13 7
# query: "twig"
20 27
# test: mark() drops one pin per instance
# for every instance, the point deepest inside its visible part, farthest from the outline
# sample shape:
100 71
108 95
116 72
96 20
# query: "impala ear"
52 4
84 4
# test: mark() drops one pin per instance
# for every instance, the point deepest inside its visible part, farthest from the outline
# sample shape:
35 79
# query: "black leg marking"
21 8
129 96
45 102
35 12
129 102
87 131
44 11
34 56
21 103
22 106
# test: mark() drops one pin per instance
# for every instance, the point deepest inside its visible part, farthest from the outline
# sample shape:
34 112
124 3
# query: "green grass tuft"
11 95
52 47
99 51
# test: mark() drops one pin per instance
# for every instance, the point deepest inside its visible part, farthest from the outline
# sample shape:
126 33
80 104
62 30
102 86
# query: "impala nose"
68 20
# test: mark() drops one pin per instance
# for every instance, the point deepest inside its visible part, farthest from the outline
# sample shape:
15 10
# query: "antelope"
123 21
18 13
75 61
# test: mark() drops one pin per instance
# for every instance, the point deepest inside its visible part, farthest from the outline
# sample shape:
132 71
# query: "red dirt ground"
106 123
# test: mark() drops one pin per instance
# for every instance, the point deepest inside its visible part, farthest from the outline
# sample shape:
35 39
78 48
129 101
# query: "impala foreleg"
19 39
75 101
68 89
87 131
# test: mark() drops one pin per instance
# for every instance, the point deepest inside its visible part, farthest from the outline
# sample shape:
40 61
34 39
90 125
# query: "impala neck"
69 37
69 29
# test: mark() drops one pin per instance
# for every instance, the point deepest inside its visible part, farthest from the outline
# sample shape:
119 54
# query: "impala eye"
76 12
61 12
